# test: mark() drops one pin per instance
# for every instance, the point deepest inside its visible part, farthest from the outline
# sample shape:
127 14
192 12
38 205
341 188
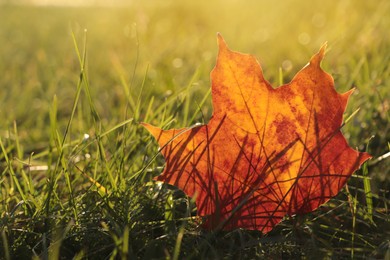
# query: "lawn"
76 167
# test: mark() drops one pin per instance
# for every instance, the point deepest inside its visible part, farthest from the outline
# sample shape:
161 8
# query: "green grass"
75 166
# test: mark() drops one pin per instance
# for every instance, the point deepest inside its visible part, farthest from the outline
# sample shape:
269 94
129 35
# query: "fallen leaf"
265 152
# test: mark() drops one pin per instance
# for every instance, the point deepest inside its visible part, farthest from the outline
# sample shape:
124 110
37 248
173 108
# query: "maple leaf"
265 152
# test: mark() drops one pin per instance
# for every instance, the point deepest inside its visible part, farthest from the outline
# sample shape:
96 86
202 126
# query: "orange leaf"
265 152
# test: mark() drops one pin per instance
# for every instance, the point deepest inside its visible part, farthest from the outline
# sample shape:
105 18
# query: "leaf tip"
221 42
365 156
317 58
347 94
323 47
144 124
152 129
